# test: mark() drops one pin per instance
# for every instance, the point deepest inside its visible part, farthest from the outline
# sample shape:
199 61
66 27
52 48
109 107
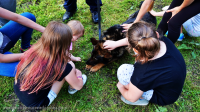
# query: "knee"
29 16
72 64
121 69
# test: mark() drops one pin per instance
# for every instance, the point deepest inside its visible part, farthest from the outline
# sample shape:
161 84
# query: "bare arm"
7 58
132 94
73 58
143 10
157 13
110 45
177 9
20 19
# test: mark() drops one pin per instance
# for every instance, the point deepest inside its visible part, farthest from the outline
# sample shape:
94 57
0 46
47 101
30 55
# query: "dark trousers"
175 23
70 5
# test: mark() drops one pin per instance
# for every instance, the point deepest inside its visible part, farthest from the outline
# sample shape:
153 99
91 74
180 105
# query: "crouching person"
45 67
159 71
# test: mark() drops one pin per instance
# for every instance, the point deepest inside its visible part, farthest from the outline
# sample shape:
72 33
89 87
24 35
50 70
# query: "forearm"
7 58
29 23
122 42
185 3
20 19
143 10
157 13
72 57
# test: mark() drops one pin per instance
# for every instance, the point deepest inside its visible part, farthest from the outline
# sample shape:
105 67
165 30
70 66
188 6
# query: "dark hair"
142 36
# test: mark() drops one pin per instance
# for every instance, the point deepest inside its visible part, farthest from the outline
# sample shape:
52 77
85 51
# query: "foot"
67 15
181 37
71 90
95 18
141 102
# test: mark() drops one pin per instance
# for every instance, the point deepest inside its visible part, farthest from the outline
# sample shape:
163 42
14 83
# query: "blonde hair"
76 27
142 36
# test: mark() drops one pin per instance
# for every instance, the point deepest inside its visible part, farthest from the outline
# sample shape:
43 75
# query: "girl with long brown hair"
159 71
45 67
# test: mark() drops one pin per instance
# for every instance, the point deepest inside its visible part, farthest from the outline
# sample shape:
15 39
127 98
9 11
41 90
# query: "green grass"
100 92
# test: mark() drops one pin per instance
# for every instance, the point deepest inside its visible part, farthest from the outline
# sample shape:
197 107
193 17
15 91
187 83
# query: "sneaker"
138 102
166 33
71 90
165 8
181 37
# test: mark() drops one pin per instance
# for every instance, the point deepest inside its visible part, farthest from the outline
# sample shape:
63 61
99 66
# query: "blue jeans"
70 5
15 30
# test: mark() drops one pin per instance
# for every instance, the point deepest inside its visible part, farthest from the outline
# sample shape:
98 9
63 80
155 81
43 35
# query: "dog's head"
113 33
99 54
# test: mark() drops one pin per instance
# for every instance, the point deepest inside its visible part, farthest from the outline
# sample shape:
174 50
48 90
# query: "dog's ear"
94 41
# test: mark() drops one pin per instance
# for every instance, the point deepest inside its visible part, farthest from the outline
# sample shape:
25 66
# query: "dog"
100 56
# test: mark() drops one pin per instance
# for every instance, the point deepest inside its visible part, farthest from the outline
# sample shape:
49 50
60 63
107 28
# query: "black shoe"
95 17
67 15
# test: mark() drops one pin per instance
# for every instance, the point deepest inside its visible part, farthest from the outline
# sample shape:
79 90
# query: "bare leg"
57 85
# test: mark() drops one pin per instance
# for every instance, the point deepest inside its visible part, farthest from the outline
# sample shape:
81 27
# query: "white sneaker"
138 102
165 8
72 91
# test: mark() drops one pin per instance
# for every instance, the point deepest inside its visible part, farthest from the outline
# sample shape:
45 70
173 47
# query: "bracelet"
79 77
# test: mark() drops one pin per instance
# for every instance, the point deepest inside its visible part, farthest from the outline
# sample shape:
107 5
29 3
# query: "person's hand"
109 45
174 11
77 59
126 27
119 85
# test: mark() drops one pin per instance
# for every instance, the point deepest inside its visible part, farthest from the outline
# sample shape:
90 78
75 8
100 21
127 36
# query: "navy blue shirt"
40 98
165 75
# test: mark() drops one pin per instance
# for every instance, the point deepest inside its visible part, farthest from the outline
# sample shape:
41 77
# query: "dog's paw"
88 67
96 67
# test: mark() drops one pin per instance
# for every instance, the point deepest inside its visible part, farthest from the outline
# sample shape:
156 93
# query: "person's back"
165 75
159 72
45 67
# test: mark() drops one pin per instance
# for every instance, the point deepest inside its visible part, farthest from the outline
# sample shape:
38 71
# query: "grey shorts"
124 74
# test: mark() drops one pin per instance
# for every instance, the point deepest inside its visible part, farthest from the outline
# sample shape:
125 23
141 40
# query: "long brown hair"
46 60
142 36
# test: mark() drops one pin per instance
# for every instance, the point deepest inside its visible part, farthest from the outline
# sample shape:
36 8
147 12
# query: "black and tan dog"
100 56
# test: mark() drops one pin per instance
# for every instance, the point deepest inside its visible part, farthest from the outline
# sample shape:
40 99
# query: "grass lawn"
100 92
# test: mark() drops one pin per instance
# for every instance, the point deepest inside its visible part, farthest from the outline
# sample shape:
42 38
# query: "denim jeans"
15 30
